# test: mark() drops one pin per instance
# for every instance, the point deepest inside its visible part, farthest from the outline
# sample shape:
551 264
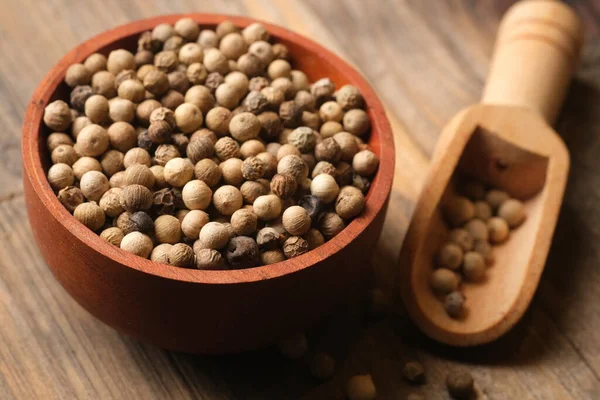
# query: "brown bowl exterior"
191 310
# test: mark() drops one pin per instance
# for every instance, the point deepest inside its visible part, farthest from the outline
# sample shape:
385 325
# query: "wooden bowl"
192 310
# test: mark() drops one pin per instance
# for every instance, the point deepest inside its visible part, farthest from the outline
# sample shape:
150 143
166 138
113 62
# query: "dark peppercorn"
345 174
313 205
290 114
413 372
213 80
145 42
242 252
460 384
454 304
145 142
181 141
142 222
164 201
258 83
79 95
160 132
361 183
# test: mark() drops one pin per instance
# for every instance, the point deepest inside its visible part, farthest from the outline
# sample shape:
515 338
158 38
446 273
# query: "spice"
495 198
167 229
462 238
444 281
135 198
512 212
71 197
113 235
208 171
209 259
459 210
361 387
214 235
160 253
227 199
413 372
474 266
498 230
454 304
365 163
57 116
90 214
296 220
196 195
450 256
460 384
92 141
349 202
477 229
210 120
325 188
242 252
60 176
193 222
137 243
181 255
267 207
483 210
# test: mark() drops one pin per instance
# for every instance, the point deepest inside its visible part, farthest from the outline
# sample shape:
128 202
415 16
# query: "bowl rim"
34 171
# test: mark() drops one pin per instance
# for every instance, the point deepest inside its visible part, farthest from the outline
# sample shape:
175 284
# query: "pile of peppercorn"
206 149
480 218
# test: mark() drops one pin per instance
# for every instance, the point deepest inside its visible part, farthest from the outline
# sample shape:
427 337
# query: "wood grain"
427 59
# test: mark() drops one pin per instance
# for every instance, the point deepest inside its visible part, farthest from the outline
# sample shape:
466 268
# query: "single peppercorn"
512 212
71 197
214 235
454 304
253 168
90 214
498 230
295 246
138 244
181 255
462 238
113 235
242 252
460 384
209 259
110 202
473 267
459 210
478 229
296 220
450 256
135 198
444 281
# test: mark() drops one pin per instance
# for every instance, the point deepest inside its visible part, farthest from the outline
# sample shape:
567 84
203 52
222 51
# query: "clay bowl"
192 310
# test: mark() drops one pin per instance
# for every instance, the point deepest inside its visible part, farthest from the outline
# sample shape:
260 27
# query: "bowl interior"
314 60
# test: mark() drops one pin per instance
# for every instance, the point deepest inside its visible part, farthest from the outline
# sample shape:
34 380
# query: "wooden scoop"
508 143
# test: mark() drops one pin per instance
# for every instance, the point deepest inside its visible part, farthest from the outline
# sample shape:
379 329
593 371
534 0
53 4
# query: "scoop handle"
536 51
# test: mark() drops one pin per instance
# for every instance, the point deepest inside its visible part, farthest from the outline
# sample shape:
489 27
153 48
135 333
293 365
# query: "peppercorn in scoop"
207 149
478 219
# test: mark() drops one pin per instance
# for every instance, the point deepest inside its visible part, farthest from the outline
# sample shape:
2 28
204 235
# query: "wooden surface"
427 59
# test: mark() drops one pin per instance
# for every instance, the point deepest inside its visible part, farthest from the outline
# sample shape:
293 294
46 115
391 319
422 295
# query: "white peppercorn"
267 207
196 195
365 162
167 229
227 199
330 224
60 176
137 243
160 253
178 172
325 188
113 235
90 214
209 259
214 235
231 171
513 212
208 171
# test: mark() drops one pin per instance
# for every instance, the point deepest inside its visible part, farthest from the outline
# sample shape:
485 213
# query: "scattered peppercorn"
460 384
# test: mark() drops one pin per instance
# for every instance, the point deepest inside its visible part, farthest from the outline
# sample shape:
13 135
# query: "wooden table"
427 60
